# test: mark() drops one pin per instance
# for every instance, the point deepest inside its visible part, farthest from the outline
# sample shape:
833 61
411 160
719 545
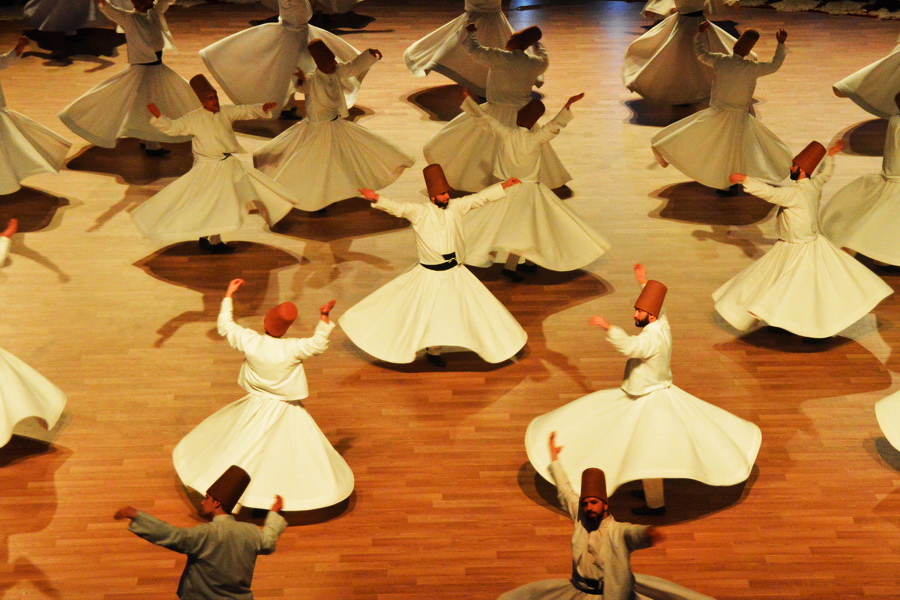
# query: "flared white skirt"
532 222
277 53
27 148
813 290
210 199
864 216
887 411
662 66
873 87
667 433
117 107
63 15
424 308
442 50
25 393
710 145
279 445
322 163
646 587
466 152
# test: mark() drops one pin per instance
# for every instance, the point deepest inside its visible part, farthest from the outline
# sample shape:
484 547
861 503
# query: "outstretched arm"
225 324
483 119
157 531
359 64
701 46
489 57
568 497
551 129
767 68
303 348
404 210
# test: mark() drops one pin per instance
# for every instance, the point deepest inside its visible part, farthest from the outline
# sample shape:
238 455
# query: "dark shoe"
511 275
222 248
639 494
532 268
732 191
290 115
205 244
436 359
646 511
155 151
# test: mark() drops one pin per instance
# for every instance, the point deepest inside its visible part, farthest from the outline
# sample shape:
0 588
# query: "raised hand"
640 273
554 449
376 53
126 512
574 99
233 286
737 178
601 322
154 110
11 228
278 504
510 182
269 106
781 36
368 194
836 147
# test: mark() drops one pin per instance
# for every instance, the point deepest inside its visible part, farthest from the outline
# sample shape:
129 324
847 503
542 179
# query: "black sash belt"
594 587
451 262
158 61
696 13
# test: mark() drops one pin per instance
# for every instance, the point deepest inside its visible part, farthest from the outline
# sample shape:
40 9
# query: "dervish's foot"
290 115
731 191
511 275
222 248
156 152
646 511
205 244
528 268
436 359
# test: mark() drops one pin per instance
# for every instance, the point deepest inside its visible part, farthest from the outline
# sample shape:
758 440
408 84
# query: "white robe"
24 392
211 198
422 307
325 158
67 16
873 87
465 151
887 411
117 107
804 284
710 145
26 147
268 433
531 221
664 8
442 50
662 65
648 428
277 51
865 214
601 554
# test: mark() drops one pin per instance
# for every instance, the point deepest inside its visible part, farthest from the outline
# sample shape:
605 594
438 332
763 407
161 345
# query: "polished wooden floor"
446 505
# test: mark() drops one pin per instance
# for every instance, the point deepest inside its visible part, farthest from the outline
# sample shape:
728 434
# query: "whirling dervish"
874 86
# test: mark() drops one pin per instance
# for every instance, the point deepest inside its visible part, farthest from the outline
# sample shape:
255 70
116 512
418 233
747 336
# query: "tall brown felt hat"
201 86
745 43
593 484
651 298
229 488
279 318
810 157
528 36
435 180
530 113
321 54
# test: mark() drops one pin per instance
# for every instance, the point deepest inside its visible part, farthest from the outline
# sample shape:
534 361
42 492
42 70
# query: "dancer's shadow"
128 162
438 103
653 114
883 449
90 42
186 265
691 202
35 506
346 219
133 197
336 22
750 240
36 210
272 128
887 509
865 138
686 500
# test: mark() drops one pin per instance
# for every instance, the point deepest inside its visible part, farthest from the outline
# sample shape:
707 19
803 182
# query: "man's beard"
642 322
795 175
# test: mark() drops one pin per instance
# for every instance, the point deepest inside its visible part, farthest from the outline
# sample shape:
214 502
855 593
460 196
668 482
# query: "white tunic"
865 214
268 433
531 221
147 33
804 284
710 145
325 92
512 73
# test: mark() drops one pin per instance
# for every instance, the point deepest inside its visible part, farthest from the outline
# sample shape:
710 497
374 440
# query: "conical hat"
530 113
528 36
745 43
593 484
229 488
321 54
651 298
809 157
201 86
435 180
279 318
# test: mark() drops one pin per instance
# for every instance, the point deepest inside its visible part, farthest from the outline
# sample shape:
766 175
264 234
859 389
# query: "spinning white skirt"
661 65
322 163
25 393
279 445
63 15
423 308
117 107
534 223
710 145
211 199
873 87
277 52
887 411
864 216
466 152
646 587
442 50
667 433
27 148
810 289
